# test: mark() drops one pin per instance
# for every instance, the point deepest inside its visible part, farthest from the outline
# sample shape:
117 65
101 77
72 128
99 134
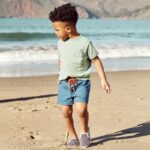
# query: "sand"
30 119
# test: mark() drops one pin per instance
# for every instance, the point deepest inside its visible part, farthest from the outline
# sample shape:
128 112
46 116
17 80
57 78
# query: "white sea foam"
121 51
49 53
28 54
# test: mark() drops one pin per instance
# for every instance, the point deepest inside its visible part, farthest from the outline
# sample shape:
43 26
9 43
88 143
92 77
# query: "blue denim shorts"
80 93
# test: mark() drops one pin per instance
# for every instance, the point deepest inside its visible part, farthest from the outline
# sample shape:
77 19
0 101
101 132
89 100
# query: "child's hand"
105 86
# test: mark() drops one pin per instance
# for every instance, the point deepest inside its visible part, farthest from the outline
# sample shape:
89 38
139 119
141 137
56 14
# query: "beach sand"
30 119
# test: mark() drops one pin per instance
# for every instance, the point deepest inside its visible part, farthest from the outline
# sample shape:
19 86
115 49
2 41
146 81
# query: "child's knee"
82 112
67 113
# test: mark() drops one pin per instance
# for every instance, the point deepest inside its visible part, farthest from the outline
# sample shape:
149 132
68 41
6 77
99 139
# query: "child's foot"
85 140
73 143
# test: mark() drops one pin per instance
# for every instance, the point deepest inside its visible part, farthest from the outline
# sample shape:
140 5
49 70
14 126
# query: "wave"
120 35
123 51
49 53
31 36
25 36
33 53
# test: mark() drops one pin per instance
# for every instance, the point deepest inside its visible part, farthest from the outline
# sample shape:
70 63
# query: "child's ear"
68 29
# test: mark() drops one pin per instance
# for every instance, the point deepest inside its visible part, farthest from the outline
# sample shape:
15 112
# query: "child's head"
64 19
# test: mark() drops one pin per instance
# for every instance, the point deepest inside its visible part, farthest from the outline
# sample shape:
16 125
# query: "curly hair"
64 13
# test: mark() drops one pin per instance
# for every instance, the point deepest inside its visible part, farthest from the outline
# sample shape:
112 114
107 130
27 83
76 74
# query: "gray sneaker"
85 140
73 143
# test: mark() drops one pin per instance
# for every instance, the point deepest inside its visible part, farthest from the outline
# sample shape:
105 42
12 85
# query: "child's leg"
83 116
67 114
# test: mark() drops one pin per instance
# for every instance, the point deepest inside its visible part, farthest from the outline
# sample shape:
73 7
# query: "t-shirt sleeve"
91 51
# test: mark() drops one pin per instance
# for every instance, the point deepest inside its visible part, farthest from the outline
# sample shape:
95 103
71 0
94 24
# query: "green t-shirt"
75 57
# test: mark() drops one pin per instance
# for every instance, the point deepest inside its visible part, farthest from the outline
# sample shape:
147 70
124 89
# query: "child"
76 54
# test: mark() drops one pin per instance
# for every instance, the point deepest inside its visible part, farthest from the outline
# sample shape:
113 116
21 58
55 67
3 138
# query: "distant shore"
96 9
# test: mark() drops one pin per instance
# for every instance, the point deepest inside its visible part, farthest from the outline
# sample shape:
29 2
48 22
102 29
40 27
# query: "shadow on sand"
133 132
26 98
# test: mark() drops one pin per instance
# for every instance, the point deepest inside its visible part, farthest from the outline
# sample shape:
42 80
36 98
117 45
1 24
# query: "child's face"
61 29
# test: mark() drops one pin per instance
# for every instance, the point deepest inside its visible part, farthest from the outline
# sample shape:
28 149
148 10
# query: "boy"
76 53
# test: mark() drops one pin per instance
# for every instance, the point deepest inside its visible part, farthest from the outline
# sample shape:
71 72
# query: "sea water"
28 47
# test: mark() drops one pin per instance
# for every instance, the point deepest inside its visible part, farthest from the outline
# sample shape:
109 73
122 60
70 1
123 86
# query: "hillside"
139 9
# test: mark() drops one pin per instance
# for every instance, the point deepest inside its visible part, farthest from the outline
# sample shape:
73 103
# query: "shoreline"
57 74
33 69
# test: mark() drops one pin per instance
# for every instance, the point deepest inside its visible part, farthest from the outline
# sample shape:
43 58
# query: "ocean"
28 46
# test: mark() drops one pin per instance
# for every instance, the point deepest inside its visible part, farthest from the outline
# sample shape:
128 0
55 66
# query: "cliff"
127 9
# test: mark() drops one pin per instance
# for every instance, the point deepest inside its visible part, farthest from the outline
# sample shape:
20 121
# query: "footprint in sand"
15 107
34 110
54 105
34 135
22 128
46 107
22 146
140 98
31 135
19 109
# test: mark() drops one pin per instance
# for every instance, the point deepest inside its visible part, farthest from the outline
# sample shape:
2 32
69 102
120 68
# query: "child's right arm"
100 69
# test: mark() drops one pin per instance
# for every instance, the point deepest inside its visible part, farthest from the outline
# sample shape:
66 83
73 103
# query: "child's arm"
100 69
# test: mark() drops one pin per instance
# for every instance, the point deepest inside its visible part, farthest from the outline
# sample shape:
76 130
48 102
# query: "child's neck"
71 36
74 33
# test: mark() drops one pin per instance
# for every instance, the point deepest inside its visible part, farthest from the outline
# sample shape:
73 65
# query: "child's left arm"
100 69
